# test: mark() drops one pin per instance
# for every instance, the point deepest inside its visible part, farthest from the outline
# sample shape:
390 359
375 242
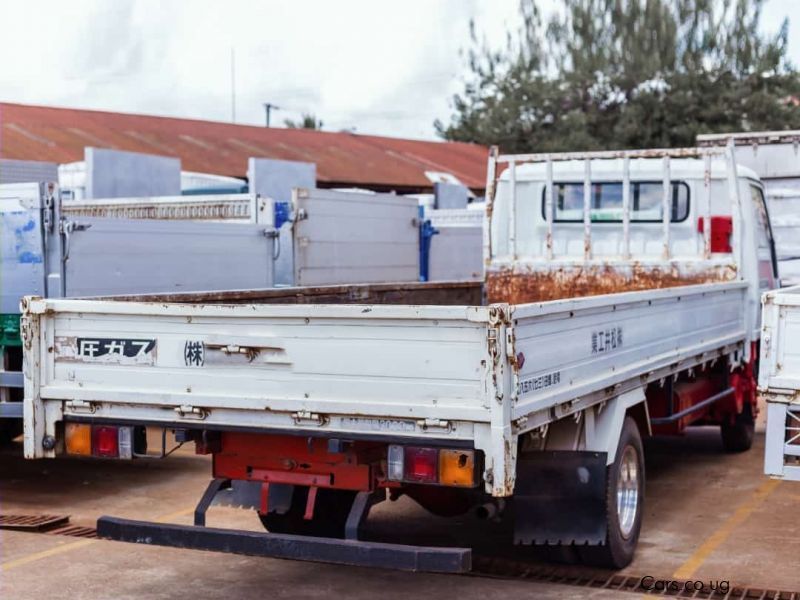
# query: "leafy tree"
307 121
626 74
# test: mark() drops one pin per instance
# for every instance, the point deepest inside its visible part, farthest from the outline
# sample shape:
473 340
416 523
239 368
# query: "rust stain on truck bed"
445 293
528 285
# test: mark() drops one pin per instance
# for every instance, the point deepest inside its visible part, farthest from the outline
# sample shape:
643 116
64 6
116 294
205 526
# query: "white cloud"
382 67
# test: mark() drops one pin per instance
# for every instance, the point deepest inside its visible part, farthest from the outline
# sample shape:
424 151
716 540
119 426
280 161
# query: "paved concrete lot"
709 516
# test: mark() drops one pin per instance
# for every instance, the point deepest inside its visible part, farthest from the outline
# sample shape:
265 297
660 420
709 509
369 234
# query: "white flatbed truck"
621 298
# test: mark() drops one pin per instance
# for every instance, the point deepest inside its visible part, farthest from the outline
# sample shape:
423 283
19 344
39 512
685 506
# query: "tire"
738 436
331 510
623 524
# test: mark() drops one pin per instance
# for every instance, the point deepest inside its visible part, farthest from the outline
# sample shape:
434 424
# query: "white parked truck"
54 248
779 382
621 299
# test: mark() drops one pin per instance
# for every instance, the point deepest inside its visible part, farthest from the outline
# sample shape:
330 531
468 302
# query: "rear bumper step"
295 547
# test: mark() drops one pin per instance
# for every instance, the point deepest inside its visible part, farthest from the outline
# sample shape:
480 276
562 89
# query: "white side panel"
26 171
346 237
456 254
770 160
573 348
783 200
119 174
22 255
120 256
780 353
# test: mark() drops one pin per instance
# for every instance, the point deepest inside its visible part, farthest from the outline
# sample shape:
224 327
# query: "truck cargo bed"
467 374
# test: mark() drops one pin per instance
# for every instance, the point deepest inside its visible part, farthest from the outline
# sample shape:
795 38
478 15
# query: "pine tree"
627 74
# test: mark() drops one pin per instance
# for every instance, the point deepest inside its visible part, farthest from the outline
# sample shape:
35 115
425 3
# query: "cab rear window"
606 205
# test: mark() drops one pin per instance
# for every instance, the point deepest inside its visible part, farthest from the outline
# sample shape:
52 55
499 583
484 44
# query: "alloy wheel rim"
628 491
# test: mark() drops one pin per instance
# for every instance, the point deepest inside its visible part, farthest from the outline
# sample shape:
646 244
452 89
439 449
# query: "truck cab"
592 248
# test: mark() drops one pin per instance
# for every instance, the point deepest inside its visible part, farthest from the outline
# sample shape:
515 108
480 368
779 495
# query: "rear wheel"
624 503
738 436
330 514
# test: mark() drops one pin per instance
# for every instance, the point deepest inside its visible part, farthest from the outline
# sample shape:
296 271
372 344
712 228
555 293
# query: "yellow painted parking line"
178 513
18 562
689 568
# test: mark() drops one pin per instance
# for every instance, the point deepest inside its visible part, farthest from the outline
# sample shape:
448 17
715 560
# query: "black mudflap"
560 498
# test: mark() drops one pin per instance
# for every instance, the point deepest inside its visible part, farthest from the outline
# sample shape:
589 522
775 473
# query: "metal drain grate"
32 522
49 524
75 531
580 577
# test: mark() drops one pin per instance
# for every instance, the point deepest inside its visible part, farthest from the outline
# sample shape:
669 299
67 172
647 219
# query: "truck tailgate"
373 370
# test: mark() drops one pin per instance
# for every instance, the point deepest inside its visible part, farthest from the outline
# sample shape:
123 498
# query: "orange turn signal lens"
78 439
457 468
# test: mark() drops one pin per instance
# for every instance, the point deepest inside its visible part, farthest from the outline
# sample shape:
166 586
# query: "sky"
371 66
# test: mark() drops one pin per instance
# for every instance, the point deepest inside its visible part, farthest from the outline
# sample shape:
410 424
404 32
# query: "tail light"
125 442
103 441
421 465
456 467
78 439
395 462
413 464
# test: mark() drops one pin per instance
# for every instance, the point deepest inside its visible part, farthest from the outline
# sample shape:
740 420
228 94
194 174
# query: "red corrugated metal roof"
60 135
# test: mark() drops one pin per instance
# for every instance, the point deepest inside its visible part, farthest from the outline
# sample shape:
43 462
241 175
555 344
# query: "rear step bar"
296 547
348 551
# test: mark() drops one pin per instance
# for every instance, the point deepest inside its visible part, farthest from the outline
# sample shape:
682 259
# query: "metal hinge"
187 411
306 416
435 424
49 212
80 406
67 228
